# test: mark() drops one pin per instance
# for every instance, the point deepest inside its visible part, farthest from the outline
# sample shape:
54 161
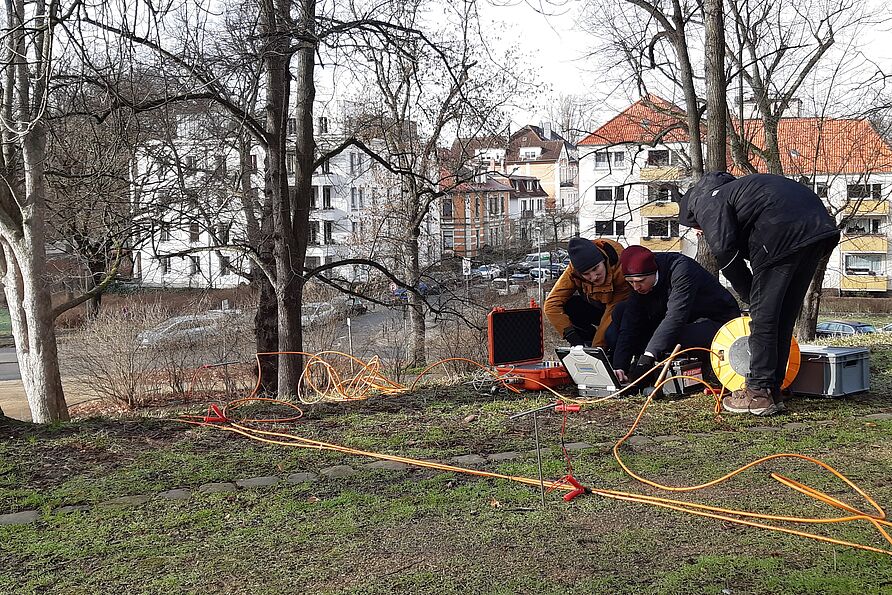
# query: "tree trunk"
418 336
808 316
716 106
27 295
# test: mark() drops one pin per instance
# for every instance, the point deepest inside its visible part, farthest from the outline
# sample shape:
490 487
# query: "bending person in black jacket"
674 301
783 230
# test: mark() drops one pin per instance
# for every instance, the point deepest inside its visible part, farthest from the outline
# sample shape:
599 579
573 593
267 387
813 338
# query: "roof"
533 136
808 145
648 120
825 145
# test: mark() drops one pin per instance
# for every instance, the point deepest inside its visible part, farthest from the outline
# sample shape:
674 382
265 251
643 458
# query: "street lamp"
539 259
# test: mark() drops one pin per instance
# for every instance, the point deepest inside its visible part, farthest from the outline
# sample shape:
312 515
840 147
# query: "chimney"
546 130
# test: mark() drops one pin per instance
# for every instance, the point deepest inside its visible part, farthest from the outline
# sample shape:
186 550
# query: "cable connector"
580 489
214 414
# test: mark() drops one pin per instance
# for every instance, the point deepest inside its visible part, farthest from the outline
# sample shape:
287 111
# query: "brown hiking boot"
756 401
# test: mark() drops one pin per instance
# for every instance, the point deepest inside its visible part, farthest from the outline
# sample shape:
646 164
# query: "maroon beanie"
638 261
584 255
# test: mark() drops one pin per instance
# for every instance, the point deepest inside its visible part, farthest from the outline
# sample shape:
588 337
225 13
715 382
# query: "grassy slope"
419 531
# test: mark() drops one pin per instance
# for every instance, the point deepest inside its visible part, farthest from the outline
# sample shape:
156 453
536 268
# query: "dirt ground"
15 405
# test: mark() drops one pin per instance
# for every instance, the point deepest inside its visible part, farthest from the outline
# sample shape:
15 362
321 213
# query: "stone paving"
341 471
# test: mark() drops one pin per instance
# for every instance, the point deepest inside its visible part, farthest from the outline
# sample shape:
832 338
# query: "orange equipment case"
517 347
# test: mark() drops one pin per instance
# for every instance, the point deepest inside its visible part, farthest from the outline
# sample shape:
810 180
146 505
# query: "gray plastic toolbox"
832 371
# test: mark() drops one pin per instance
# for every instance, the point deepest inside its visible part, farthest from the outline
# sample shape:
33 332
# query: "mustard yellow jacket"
614 290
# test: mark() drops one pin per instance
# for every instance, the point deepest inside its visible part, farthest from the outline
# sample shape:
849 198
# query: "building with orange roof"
626 165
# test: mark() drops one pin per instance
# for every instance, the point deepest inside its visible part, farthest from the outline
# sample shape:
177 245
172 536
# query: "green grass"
420 531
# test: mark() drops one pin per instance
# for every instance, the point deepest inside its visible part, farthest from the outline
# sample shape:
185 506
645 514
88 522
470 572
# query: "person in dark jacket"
674 301
783 230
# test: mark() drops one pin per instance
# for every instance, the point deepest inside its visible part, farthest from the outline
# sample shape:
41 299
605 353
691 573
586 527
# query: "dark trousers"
586 316
775 300
698 333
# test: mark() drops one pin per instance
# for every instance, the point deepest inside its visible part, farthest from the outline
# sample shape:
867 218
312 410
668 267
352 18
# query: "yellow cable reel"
730 355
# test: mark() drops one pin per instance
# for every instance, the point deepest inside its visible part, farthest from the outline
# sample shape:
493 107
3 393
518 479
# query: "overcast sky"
549 35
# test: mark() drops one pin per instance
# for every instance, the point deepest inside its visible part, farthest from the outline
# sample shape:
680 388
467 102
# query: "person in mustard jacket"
581 304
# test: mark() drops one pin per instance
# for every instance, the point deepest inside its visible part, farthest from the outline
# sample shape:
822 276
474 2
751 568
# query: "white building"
624 167
194 242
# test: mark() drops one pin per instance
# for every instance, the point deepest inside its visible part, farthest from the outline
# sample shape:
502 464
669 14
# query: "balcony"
866 207
864 283
657 173
657 244
864 243
660 209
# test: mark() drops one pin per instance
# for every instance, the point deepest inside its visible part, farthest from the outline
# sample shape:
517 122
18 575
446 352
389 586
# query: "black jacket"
761 218
684 292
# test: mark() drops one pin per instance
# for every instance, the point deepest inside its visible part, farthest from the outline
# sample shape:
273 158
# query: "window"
865 264
220 165
352 163
607 194
352 196
253 162
662 228
447 207
658 157
223 233
325 167
314 199
862 225
165 232
821 190
361 199
603 194
164 264
194 265
329 226
290 162
855 191
190 162
602 160
326 197
527 154
619 159
225 265
610 228
658 194
322 125
194 232
354 226
311 262
448 240
313 233
292 125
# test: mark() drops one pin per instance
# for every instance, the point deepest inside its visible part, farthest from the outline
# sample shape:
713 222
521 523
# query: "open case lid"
515 335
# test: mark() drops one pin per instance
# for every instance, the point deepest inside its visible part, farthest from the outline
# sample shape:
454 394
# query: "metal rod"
539 457
533 411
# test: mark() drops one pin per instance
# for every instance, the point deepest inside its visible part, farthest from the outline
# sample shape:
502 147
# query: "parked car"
887 328
351 305
503 286
545 272
314 313
487 271
424 288
519 278
838 328
187 328
534 259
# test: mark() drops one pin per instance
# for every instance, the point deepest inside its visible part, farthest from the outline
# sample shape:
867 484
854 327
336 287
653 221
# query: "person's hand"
642 366
621 376
574 337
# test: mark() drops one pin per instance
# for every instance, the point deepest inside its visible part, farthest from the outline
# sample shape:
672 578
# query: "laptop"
590 369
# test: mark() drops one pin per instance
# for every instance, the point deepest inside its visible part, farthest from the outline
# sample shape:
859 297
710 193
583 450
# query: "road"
9 365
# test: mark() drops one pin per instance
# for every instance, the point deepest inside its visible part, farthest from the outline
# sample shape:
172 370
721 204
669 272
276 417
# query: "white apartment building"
193 242
624 167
